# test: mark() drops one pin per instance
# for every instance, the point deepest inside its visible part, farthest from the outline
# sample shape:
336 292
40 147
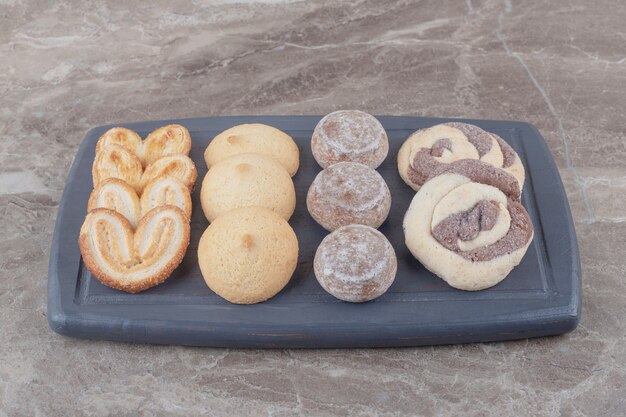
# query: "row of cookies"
136 231
350 199
249 251
466 223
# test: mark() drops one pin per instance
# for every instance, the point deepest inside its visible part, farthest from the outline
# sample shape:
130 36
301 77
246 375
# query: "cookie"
134 260
116 194
247 179
348 193
469 227
116 161
166 140
248 255
433 151
355 263
178 166
254 138
349 135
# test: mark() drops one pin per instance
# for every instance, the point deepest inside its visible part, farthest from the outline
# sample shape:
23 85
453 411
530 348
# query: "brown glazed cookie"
355 263
349 135
348 193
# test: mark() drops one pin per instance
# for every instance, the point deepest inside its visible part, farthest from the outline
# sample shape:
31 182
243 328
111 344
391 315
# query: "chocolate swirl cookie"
468 227
438 149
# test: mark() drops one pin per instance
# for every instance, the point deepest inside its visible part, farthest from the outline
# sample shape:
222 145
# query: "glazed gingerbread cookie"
349 136
355 263
348 193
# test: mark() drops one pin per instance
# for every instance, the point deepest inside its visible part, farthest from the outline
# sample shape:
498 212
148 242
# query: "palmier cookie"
115 161
433 151
116 194
247 179
352 136
166 140
134 261
254 138
248 255
355 263
469 227
348 193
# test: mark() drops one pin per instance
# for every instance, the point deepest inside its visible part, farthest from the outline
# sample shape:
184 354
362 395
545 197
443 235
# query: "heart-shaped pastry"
116 194
134 261
116 161
166 140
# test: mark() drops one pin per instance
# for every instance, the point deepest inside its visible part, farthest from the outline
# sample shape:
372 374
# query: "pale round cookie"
248 255
349 135
247 179
435 150
355 263
254 138
348 193
471 232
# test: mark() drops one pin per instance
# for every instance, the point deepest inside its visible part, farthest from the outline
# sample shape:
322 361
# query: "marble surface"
68 66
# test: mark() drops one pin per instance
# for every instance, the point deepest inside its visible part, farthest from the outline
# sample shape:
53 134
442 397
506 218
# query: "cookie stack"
466 224
137 227
350 198
249 251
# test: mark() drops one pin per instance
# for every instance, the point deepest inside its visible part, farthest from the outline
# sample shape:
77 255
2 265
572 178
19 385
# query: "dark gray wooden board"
542 296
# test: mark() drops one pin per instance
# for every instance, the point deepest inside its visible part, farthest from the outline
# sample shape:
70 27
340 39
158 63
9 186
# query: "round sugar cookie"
248 255
349 135
247 179
355 263
254 138
348 193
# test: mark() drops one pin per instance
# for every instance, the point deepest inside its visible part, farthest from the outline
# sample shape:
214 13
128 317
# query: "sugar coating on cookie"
348 193
355 263
248 255
254 138
349 135
247 179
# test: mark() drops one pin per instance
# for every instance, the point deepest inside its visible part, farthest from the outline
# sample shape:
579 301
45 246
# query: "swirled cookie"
349 135
347 193
433 151
468 228
355 263
134 261
247 179
248 254
166 140
254 138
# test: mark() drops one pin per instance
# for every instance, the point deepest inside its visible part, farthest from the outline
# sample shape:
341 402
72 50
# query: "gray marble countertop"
68 66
